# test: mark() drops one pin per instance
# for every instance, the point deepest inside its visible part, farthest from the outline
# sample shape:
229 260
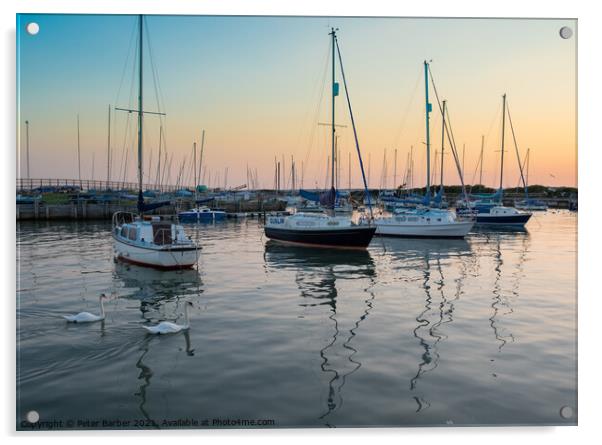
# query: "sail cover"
144 207
310 196
327 199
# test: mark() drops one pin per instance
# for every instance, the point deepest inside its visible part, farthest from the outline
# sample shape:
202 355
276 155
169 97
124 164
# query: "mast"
109 148
428 133
79 165
481 172
158 180
395 170
442 141
140 119
463 157
411 167
202 150
349 174
27 145
503 131
335 87
194 164
528 159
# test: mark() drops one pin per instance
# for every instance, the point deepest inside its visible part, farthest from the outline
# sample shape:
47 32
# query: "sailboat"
529 203
201 213
325 229
499 215
143 239
425 221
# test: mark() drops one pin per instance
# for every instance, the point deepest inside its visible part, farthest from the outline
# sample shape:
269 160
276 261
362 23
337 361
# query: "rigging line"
357 144
124 145
407 111
315 91
522 176
154 70
129 51
449 133
448 120
314 128
159 97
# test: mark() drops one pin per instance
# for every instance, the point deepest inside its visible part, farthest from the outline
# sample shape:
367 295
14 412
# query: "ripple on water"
409 332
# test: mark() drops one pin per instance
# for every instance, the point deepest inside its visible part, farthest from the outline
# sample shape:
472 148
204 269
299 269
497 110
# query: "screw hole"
32 416
566 32
566 412
32 28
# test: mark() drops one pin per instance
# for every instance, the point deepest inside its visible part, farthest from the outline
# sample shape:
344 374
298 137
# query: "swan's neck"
102 308
186 315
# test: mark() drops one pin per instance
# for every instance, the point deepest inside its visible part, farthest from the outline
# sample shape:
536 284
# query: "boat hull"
200 217
164 259
355 237
503 220
455 230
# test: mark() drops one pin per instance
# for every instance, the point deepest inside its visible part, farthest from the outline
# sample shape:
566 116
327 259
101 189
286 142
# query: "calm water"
410 332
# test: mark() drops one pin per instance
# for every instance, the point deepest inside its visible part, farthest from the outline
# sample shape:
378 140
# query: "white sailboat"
150 240
425 221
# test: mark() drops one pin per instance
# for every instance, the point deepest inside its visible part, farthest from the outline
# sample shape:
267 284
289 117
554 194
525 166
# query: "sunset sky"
259 86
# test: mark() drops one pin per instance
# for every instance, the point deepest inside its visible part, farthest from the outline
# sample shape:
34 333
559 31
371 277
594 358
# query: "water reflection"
501 303
426 263
317 273
146 373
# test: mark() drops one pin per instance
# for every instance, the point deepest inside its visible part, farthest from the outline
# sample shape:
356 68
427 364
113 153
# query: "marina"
245 256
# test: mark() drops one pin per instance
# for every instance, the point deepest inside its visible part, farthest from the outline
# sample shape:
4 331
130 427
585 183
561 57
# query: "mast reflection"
317 272
429 257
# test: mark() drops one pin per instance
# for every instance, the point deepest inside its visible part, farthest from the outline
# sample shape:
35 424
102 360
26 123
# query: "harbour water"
480 331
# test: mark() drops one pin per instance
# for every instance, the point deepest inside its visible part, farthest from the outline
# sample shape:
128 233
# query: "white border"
590 101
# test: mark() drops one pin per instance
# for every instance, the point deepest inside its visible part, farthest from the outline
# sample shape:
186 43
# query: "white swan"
87 317
167 327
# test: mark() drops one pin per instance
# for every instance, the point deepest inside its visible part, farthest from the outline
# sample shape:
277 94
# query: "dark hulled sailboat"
325 229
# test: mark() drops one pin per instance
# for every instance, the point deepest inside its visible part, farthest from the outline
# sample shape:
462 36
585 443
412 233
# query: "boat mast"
481 172
428 133
442 141
140 103
202 150
79 165
335 92
528 159
395 170
194 163
27 145
109 148
503 131
349 173
158 180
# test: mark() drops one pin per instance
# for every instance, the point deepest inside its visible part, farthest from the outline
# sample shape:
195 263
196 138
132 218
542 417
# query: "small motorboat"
201 214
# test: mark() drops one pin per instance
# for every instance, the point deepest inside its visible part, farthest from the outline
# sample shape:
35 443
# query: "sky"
259 87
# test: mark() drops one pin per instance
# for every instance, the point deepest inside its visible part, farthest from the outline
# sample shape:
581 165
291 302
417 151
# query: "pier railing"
84 185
